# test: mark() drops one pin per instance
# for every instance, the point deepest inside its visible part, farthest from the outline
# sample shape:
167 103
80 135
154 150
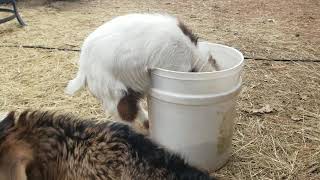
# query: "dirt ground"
277 132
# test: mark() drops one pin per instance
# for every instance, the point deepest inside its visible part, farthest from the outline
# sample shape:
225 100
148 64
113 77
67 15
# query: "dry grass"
277 132
283 142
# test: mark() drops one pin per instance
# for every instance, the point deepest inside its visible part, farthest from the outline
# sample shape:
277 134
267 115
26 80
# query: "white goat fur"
119 54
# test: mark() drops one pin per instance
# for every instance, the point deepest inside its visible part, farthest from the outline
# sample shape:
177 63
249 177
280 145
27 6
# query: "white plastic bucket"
193 113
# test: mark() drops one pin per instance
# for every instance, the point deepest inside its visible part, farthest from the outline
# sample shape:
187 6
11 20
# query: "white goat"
115 60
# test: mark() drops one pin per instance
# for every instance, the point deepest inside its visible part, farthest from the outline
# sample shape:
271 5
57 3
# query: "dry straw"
277 132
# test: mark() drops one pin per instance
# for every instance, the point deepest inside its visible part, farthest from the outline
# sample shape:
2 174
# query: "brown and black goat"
41 145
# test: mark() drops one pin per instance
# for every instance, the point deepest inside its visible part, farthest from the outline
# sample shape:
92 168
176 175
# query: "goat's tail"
75 84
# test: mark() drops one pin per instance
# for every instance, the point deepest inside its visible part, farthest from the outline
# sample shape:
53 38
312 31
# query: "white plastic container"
193 113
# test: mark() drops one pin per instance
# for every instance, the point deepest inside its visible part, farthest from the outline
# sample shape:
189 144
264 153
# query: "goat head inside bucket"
193 113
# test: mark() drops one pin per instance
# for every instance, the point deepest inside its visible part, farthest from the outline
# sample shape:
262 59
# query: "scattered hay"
277 132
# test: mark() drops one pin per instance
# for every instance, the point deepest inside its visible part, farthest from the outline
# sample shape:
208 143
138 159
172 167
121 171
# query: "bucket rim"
202 75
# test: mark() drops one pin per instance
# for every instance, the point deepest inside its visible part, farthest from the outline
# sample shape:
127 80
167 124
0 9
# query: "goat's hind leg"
125 105
110 108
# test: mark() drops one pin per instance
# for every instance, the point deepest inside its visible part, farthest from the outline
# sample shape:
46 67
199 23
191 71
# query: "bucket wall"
193 113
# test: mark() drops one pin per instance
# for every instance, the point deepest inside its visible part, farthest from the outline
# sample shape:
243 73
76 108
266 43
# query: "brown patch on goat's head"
15 154
128 105
188 32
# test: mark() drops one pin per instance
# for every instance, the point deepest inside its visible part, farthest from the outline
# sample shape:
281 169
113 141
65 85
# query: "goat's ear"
14 161
148 70
213 62
14 155
7 122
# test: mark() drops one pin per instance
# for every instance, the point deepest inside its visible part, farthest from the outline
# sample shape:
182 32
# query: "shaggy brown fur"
46 146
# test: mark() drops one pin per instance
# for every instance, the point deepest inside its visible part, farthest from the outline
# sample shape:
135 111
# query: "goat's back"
46 146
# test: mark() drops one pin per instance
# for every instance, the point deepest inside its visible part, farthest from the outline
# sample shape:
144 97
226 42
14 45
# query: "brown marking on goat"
128 105
188 32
